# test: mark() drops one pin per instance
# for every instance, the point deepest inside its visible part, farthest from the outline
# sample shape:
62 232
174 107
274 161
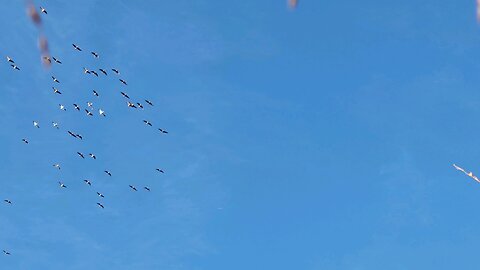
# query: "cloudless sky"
319 138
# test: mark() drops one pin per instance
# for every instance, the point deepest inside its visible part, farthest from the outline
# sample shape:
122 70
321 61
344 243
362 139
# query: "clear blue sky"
316 139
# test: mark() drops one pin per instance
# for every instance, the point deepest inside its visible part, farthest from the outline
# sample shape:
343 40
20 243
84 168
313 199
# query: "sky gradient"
319 138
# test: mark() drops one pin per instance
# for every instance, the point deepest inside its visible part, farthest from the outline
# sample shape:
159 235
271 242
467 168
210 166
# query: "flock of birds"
89 111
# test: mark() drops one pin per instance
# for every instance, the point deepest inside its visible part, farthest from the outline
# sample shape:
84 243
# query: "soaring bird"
71 133
76 106
15 67
81 155
149 102
140 105
25 141
89 113
87 182
92 156
62 185
47 59
55 80
94 72
95 93
115 70
43 10
62 107
469 174
123 81
55 91
55 125
131 105
109 173
101 112
101 205
90 104
7 201
6 252
94 54
35 124
76 47
147 123
124 95
100 195
103 71
163 131
160 170
56 166
79 136
10 60
132 187
56 60
147 188
86 71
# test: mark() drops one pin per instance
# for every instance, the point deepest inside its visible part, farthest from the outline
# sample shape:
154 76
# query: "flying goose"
56 60
76 47
124 95
107 172
89 113
86 71
101 205
123 81
131 105
94 54
163 131
56 166
116 71
149 102
103 71
100 195
6 252
140 105
79 136
55 91
95 93
132 187
55 125
87 182
76 106
15 67
43 10
90 104
147 123
62 185
7 201
147 188
94 72
10 60
62 107
35 124
25 141
101 112
160 170
81 155
55 80
92 156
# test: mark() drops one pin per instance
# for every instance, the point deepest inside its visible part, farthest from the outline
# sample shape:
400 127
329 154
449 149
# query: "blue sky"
320 138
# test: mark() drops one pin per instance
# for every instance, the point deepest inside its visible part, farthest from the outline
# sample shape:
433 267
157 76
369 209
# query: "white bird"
56 166
55 125
101 112
43 10
62 185
86 71
90 104
62 107
35 124
460 169
10 60
469 174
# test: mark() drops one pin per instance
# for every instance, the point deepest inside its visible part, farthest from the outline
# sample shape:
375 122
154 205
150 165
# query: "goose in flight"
103 71
55 125
79 136
86 71
87 182
6 252
133 188
100 195
160 170
55 91
76 107
109 173
95 93
163 131
469 174
147 188
147 123
81 155
71 133
92 156
131 105
25 141
149 102
116 71
94 72
95 54
47 59
140 105
76 47
62 185
90 104
62 107
56 60
101 112
35 124
10 60
15 67
123 81
55 79
124 95
7 201
43 10
56 166
100 205
89 113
